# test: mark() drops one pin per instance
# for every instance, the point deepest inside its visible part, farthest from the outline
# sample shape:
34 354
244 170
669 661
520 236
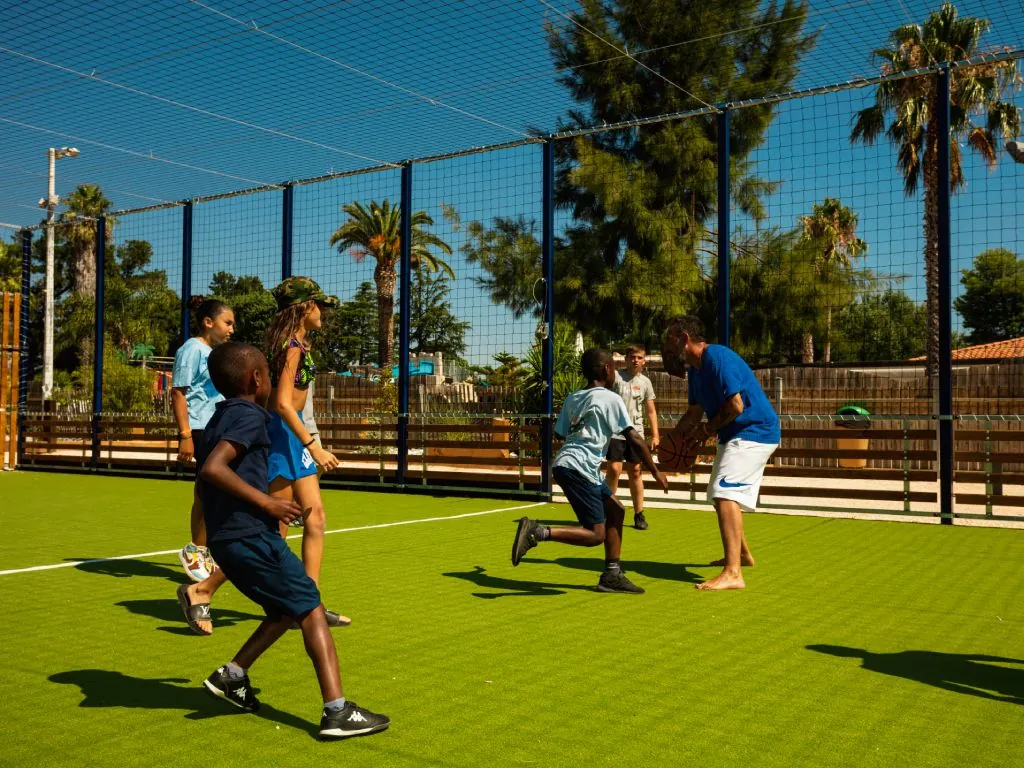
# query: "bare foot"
745 560
724 580
197 596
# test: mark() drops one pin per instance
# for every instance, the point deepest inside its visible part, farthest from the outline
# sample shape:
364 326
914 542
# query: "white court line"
296 536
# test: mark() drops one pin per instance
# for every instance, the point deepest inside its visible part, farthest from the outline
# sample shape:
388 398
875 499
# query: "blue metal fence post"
724 202
186 271
548 344
97 367
23 361
404 303
286 231
945 305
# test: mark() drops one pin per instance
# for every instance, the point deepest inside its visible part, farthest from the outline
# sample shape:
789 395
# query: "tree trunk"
807 351
85 270
828 334
384 277
931 240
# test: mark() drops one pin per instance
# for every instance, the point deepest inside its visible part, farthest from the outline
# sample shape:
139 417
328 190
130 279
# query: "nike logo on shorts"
723 483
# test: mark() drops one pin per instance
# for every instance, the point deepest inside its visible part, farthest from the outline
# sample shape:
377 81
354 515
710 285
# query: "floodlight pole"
287 218
945 394
50 203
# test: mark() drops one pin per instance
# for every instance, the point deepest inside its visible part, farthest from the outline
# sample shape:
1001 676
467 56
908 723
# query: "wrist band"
182 436
311 441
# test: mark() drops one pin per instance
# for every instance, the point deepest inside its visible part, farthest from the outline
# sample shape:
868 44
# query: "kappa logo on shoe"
357 717
241 691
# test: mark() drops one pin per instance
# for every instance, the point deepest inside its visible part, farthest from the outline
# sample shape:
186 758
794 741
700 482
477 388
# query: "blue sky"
186 99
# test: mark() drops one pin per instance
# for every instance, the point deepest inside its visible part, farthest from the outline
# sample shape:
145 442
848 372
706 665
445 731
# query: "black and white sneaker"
616 581
640 522
525 540
351 720
237 692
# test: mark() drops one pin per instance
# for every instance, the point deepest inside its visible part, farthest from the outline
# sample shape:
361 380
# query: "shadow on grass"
970 674
648 568
110 689
170 611
123 569
511 587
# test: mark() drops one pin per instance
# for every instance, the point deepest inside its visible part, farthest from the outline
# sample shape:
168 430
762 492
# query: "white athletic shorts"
737 471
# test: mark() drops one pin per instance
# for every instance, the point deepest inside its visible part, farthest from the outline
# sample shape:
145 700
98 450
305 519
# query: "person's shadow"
169 611
511 587
971 674
649 568
109 688
123 569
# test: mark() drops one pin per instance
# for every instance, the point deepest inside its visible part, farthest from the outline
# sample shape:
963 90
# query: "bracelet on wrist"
183 436
311 441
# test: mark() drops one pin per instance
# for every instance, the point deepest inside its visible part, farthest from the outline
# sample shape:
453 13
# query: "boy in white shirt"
589 419
637 393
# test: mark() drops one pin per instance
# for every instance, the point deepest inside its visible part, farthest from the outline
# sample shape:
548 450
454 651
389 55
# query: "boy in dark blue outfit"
242 531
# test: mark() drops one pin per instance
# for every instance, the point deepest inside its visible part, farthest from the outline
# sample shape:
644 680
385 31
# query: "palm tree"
831 233
77 227
977 90
376 232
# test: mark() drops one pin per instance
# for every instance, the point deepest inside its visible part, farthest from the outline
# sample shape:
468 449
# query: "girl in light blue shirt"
193 400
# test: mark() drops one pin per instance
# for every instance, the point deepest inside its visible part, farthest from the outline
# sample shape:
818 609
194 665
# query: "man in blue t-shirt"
589 419
722 386
242 529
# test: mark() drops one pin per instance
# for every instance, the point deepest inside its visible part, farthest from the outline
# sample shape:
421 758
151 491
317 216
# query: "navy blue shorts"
287 458
585 498
267 572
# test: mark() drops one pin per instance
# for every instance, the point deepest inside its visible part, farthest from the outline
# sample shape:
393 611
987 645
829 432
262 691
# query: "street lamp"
50 203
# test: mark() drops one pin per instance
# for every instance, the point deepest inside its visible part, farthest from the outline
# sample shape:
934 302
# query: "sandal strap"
199 611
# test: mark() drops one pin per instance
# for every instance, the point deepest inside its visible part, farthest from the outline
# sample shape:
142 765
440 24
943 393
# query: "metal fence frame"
944 415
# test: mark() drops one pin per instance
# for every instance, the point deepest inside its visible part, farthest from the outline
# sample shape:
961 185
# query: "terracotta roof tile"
992 351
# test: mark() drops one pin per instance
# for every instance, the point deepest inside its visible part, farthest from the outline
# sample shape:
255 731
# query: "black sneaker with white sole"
616 581
351 720
237 692
525 540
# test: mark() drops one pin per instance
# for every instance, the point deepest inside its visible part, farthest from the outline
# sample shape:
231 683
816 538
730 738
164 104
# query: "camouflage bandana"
296 290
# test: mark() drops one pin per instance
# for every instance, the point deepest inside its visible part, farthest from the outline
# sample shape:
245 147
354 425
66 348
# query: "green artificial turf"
856 643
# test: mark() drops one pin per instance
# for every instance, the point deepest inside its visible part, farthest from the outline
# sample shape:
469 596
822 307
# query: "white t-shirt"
635 392
589 419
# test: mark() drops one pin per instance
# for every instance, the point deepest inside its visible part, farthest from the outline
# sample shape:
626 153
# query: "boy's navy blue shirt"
721 375
243 423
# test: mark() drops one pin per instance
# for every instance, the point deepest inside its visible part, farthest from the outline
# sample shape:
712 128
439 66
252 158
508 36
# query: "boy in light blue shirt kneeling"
589 419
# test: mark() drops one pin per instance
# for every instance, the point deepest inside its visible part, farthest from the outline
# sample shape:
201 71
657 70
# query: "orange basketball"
676 453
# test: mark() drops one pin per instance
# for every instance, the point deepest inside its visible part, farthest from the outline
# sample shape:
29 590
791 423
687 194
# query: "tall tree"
10 265
640 198
886 326
433 327
76 226
254 306
830 232
976 92
375 231
992 304
350 332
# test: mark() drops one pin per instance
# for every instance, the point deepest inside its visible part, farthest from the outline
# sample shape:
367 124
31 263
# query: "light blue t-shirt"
190 372
589 419
721 375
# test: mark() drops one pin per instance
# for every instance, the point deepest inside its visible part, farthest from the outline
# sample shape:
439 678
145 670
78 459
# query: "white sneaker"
208 560
193 562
